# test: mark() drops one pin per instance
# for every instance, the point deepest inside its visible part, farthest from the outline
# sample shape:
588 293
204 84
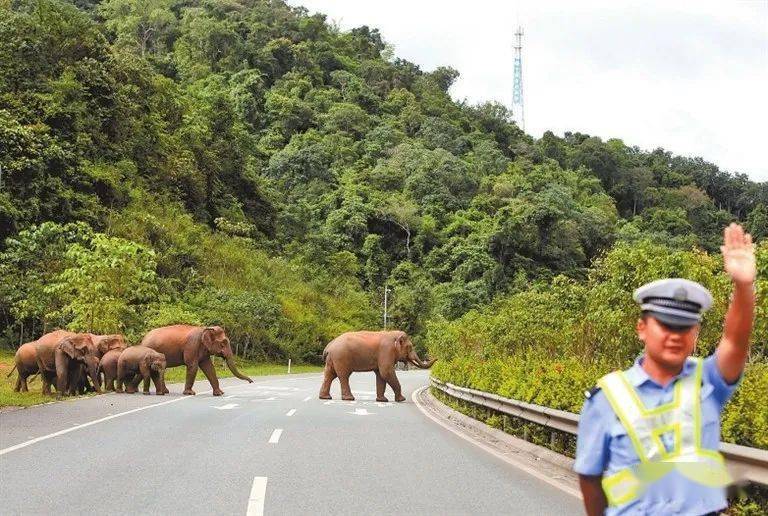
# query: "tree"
106 283
757 222
402 212
143 25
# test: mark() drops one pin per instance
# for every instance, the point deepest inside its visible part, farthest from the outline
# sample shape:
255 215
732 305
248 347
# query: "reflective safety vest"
681 417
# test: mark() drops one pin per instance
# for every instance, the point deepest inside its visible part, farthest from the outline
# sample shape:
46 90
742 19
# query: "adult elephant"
376 351
25 364
192 346
45 360
64 358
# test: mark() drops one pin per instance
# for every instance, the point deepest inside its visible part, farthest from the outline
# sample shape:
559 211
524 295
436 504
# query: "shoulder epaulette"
591 392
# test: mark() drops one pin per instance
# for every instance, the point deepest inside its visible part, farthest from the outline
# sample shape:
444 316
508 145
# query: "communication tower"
518 108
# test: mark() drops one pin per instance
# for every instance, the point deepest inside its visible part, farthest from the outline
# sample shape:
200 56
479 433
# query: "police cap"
675 302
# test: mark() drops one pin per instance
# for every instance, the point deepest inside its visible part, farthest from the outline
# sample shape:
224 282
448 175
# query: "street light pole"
386 299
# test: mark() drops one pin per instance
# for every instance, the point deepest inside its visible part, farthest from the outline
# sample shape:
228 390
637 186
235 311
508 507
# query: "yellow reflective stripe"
621 487
623 418
675 403
697 404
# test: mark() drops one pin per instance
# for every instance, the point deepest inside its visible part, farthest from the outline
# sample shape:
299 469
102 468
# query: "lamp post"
386 300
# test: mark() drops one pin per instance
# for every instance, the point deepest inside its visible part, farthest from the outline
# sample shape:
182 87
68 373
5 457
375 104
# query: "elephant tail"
11 371
325 355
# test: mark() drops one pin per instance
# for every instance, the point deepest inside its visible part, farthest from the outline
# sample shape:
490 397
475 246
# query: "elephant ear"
400 343
115 342
103 345
206 337
147 360
68 347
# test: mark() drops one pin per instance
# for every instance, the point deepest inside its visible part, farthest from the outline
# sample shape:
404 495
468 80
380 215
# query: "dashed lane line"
275 436
257 496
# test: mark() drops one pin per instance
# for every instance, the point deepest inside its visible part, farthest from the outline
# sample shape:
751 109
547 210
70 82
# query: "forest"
248 164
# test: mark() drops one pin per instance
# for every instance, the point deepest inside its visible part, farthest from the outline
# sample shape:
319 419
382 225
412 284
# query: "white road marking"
531 471
275 436
96 421
291 412
228 406
71 429
257 496
361 412
307 398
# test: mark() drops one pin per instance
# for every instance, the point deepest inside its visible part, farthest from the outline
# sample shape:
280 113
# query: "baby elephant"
108 366
140 362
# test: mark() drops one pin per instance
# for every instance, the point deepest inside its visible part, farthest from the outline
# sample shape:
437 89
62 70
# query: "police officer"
649 436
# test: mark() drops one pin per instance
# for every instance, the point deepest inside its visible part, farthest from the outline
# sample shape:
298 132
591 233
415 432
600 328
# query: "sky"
688 76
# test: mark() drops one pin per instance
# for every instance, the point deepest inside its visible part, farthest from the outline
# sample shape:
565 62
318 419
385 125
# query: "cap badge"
680 294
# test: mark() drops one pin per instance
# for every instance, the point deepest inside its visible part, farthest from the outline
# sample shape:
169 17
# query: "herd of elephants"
75 362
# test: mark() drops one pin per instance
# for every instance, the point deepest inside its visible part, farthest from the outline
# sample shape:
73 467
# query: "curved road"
269 447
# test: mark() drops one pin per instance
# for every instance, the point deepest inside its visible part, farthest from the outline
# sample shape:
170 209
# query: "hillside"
247 164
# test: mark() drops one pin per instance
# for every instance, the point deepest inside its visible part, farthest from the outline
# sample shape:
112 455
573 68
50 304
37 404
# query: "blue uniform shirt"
603 447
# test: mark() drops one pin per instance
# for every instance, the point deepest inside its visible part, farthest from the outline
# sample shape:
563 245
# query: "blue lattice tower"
518 108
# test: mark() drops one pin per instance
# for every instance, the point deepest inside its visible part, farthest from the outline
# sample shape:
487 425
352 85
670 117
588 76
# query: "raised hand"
738 254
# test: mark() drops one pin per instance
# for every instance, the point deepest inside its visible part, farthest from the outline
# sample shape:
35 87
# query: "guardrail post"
526 433
552 439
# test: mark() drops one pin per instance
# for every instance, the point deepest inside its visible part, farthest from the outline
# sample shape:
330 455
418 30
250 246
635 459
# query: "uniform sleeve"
592 440
721 390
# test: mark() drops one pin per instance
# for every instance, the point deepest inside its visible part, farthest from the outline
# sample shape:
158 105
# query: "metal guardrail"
745 463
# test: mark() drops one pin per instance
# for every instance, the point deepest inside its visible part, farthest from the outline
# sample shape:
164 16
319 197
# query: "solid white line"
518 464
72 429
308 398
275 436
257 496
291 412
96 421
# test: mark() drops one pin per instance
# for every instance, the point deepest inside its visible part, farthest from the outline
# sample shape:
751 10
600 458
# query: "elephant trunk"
415 360
230 359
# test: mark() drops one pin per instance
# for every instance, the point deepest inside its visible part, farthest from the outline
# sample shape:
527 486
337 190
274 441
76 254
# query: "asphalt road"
270 446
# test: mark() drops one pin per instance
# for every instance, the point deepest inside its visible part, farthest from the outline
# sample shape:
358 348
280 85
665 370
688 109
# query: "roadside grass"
18 399
9 398
248 368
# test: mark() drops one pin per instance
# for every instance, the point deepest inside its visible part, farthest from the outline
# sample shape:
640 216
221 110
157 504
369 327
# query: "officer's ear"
640 328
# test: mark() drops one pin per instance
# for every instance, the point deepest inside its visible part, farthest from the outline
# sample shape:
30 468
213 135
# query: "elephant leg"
145 389
346 392
132 383
45 377
24 386
328 376
381 386
210 372
62 389
17 387
191 374
391 379
109 382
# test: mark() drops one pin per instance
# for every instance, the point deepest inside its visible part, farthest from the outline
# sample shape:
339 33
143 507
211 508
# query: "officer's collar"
637 375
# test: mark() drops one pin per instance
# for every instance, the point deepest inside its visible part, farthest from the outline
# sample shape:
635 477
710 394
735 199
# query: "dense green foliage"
247 164
548 345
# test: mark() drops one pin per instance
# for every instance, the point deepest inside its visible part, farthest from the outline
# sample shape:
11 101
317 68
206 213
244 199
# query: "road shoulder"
551 467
